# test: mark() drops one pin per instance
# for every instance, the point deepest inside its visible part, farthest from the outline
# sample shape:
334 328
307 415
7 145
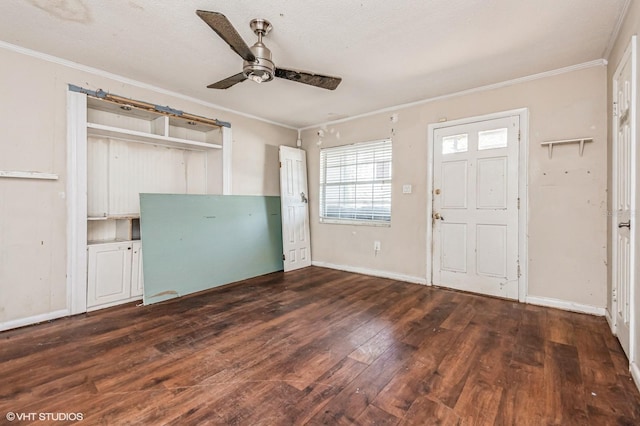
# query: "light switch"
406 189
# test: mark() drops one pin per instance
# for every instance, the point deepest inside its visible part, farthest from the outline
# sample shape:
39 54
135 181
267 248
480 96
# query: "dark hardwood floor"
319 346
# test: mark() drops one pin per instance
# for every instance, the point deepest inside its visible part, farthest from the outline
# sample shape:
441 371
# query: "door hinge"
518 203
283 257
615 109
518 135
280 164
519 273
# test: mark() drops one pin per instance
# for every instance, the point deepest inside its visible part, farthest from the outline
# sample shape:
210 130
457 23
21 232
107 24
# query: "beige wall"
567 194
630 27
33 217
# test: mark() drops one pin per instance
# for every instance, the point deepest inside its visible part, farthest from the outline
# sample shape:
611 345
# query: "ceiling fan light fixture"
259 76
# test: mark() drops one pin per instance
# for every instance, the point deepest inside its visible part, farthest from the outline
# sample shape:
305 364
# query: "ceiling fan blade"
318 80
221 25
228 82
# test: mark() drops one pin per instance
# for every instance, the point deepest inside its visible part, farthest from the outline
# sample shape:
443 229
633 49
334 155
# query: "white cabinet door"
109 271
137 281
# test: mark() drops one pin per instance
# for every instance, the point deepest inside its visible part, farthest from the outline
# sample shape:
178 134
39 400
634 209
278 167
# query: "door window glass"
492 139
454 144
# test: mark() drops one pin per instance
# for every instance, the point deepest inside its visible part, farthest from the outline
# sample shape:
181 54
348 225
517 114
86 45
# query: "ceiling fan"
258 65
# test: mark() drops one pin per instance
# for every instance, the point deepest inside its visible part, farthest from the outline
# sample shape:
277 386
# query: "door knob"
626 224
437 216
303 198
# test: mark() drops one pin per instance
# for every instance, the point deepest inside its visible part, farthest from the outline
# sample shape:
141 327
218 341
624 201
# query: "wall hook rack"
580 141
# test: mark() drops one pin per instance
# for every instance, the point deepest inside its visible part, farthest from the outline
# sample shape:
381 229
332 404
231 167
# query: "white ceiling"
387 52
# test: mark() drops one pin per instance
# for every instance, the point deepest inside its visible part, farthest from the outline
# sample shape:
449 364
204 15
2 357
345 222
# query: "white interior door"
624 152
295 208
475 207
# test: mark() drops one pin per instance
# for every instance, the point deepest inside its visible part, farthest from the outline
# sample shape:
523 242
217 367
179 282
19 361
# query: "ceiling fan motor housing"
263 68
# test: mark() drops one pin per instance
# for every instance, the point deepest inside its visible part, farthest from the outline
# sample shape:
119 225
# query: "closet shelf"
28 175
114 216
580 141
136 136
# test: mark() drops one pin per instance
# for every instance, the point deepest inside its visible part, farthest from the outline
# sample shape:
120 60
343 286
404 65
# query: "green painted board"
196 242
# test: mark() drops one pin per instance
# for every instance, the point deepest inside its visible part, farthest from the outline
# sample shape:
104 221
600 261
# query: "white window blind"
355 183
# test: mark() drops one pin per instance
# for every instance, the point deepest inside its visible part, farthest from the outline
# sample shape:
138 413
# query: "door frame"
523 151
630 54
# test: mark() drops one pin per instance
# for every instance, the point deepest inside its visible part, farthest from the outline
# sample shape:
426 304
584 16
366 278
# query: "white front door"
623 197
475 207
295 208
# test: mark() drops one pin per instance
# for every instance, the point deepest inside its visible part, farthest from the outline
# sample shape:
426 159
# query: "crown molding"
616 29
126 80
139 84
532 77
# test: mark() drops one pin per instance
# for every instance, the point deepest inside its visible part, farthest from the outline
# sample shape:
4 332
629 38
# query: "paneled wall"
117 171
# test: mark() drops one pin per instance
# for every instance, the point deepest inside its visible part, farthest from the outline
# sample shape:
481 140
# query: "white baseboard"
565 305
635 373
372 272
610 321
8 325
533 300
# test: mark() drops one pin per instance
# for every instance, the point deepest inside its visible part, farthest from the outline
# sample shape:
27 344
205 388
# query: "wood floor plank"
564 385
425 409
374 347
479 403
435 313
320 346
524 397
330 384
460 318
596 365
410 382
496 353
447 382
530 339
345 407
629 406
372 415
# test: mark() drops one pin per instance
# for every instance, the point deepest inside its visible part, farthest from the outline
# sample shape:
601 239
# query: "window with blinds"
355 183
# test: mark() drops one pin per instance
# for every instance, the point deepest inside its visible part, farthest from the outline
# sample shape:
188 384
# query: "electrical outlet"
376 246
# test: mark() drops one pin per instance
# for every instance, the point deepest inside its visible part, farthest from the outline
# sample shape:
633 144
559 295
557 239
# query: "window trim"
350 221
